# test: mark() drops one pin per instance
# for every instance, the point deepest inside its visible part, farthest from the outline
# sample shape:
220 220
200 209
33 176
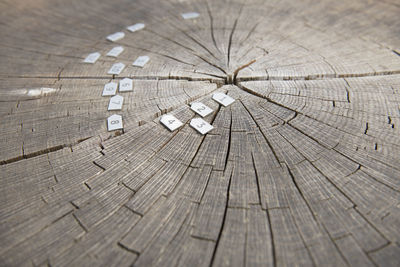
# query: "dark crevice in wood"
87 185
17 158
319 76
213 75
141 78
133 211
80 223
310 97
74 205
223 220
248 90
128 249
83 139
229 143
347 92
235 73
292 118
33 154
397 53
257 178
59 74
202 238
379 248
98 165
127 187
366 128
355 171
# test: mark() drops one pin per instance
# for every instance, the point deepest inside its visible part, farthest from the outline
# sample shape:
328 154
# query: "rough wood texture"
302 169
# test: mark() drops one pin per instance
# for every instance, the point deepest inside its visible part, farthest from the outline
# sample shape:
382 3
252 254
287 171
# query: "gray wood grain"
302 169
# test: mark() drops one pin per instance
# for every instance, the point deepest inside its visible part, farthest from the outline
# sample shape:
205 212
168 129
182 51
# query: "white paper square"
135 27
115 52
116 36
201 125
141 61
190 15
116 68
223 99
115 103
92 58
114 122
201 109
170 122
125 85
110 89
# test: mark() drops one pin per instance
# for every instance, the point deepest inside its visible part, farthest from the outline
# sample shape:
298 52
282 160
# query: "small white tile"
201 109
115 103
116 36
136 27
201 125
115 52
141 61
223 99
116 68
114 122
125 85
190 15
170 122
110 89
92 58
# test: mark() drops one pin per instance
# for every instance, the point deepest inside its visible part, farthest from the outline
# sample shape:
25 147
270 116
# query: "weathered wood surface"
302 169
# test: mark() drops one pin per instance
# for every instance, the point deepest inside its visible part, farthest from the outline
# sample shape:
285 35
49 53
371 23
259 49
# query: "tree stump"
303 168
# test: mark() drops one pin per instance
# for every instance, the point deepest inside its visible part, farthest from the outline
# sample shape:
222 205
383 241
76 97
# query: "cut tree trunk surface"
302 169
